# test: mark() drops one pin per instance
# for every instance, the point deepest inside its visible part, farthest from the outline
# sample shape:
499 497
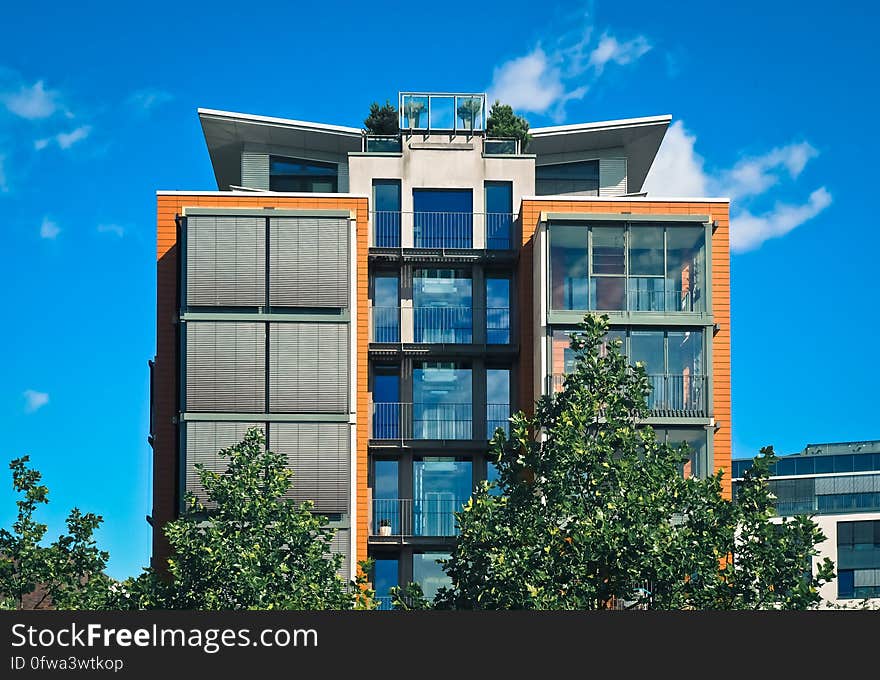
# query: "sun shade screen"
320 456
225 367
308 366
309 262
225 261
204 440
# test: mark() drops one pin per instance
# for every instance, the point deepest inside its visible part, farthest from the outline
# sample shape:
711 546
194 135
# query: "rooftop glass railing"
442 111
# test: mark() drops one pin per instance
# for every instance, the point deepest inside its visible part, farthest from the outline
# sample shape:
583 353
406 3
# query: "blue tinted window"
386 216
442 306
845 583
387 410
428 572
843 463
386 506
497 311
298 174
785 466
443 218
384 578
499 215
862 462
804 466
824 464
441 401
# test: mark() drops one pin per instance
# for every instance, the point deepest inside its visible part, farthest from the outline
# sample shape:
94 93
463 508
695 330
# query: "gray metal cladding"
309 262
612 176
320 456
225 367
203 442
225 261
308 368
341 544
255 170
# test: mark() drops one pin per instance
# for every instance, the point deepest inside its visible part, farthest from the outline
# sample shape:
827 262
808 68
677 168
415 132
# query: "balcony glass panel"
442 398
386 509
383 144
497 311
442 306
443 218
497 400
505 147
469 113
441 486
442 113
386 314
414 112
569 276
385 577
428 572
386 218
686 268
499 215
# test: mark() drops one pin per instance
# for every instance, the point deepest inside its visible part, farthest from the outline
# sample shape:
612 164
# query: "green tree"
592 512
383 120
503 122
66 574
253 549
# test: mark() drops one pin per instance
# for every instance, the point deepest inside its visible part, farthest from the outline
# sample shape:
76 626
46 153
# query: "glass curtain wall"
442 400
442 306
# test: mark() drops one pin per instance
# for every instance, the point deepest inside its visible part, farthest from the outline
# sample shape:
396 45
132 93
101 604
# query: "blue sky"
97 111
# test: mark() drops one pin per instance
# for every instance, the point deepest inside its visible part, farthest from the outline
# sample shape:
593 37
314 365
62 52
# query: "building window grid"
627 277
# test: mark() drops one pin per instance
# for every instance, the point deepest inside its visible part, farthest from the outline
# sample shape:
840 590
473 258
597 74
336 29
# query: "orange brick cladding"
165 408
720 253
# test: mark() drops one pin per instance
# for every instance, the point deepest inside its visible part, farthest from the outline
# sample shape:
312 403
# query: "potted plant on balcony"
413 109
385 527
468 111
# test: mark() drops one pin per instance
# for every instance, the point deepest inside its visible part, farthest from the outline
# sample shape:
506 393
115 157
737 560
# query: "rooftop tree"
383 120
503 122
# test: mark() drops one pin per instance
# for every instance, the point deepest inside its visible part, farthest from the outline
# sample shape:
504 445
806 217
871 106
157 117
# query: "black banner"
235 644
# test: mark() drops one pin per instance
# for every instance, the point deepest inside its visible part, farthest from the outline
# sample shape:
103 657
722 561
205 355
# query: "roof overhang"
227 132
639 137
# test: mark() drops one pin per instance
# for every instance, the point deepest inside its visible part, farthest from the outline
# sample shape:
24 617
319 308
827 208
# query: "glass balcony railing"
501 146
618 293
497 416
382 144
671 396
432 515
398 420
448 230
449 325
442 111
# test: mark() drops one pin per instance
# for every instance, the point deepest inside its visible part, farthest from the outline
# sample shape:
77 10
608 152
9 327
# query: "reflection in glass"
385 570
298 174
497 311
441 486
414 111
386 314
429 574
386 506
686 268
499 215
497 400
443 218
469 111
569 278
441 401
442 306
386 218
386 402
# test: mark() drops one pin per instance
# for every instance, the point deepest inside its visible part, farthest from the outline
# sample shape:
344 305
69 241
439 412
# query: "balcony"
671 396
397 421
433 516
442 230
448 325
618 294
382 144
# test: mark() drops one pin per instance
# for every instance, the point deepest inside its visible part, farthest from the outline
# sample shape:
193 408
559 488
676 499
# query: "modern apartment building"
839 484
381 304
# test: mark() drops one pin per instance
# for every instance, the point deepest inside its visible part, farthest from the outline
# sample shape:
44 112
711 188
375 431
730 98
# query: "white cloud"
49 229
32 102
34 400
749 231
145 100
679 170
64 140
112 229
610 49
543 81
754 176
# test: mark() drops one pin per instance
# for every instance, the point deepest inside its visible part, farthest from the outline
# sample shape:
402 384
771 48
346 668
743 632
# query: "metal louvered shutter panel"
309 262
225 261
225 366
255 170
308 368
341 544
612 176
319 455
204 440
